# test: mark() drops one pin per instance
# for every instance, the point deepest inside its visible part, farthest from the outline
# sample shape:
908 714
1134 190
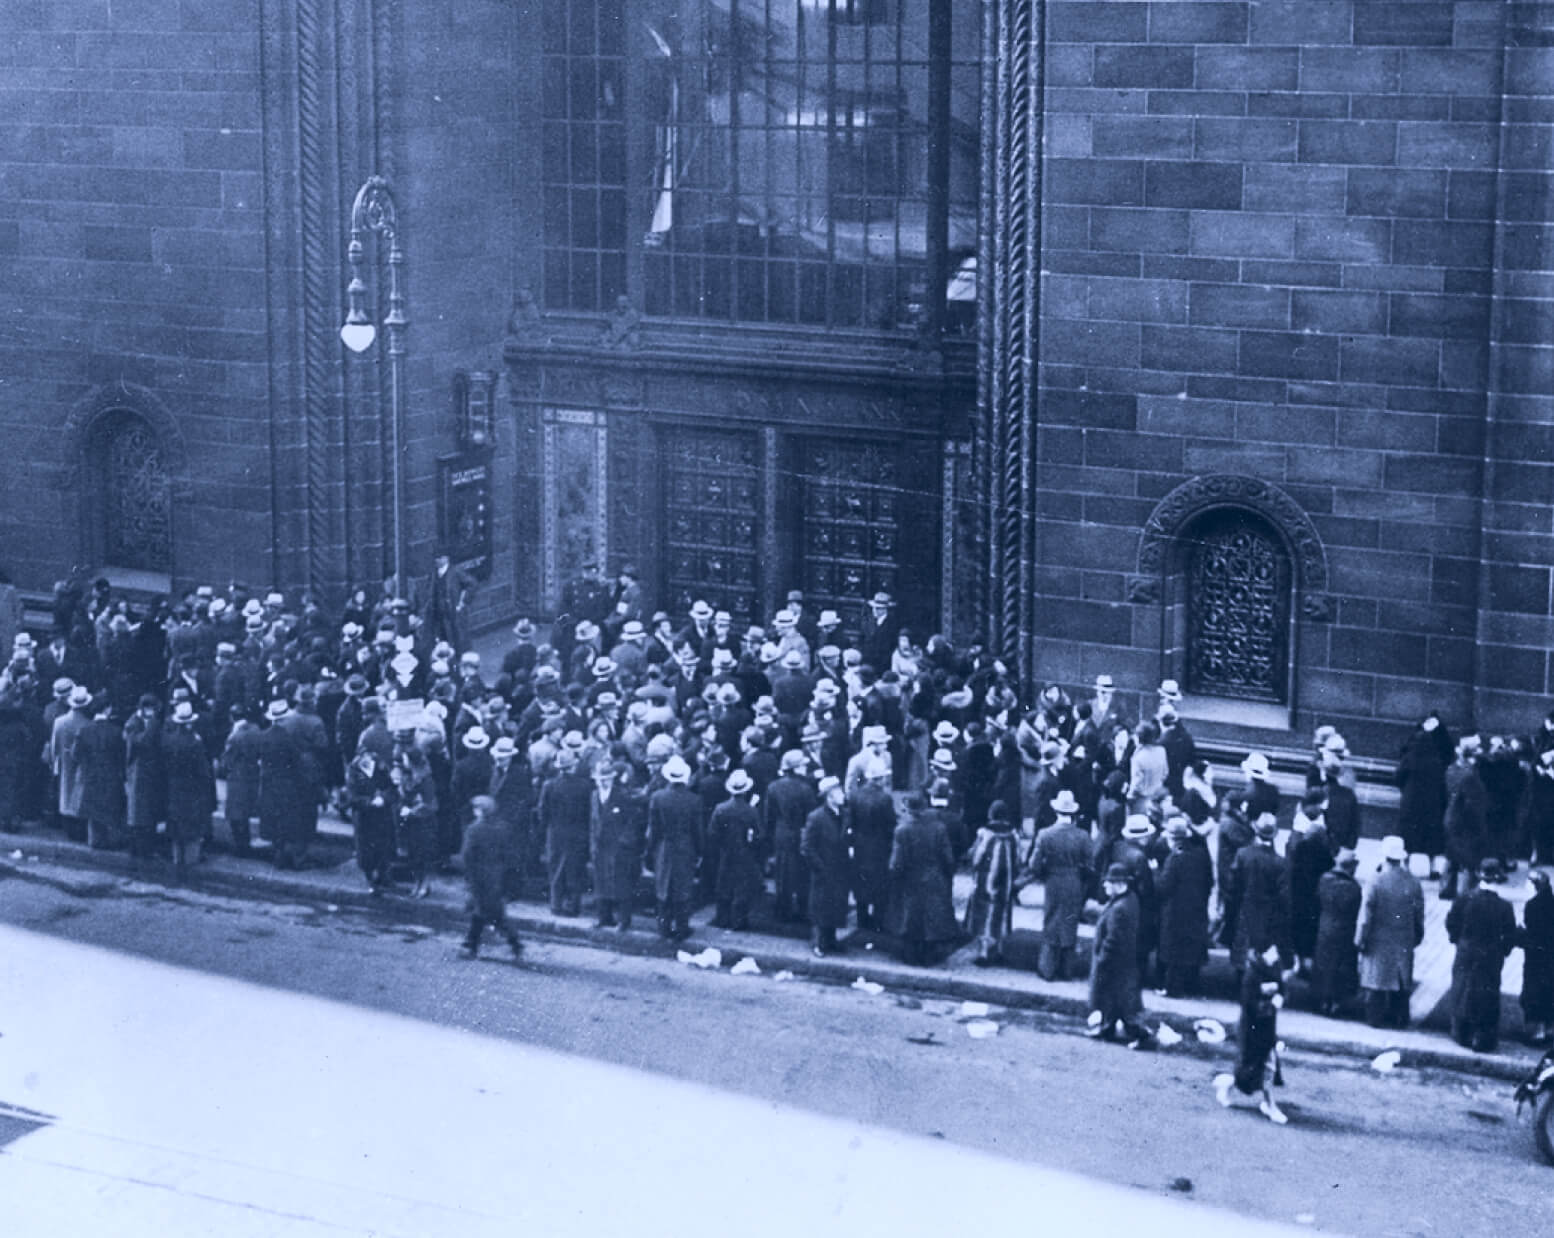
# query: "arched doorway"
130 494
1235 576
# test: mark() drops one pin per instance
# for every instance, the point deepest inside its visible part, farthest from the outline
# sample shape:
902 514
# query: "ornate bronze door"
867 523
1238 609
136 496
712 520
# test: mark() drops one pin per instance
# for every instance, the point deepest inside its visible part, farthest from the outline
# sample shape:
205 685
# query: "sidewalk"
334 879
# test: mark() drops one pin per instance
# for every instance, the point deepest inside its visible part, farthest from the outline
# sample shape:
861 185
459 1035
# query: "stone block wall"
132 259
1306 241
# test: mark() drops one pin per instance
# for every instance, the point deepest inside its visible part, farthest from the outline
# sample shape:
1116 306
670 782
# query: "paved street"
167 1065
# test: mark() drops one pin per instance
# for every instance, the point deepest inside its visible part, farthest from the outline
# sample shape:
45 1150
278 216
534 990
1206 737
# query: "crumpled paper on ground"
868 986
709 958
1209 1031
973 1010
746 966
1386 1062
981 1029
1168 1035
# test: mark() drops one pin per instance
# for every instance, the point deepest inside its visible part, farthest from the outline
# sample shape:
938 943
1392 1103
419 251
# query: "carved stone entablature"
1216 490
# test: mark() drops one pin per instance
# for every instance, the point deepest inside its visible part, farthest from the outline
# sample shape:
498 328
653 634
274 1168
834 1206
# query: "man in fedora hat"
191 786
823 846
1116 992
629 653
146 789
1341 813
100 753
563 817
1183 887
617 818
697 630
471 777
1257 896
674 839
922 871
735 841
1482 926
64 761
878 633
1390 928
871 825
1061 862
287 805
789 801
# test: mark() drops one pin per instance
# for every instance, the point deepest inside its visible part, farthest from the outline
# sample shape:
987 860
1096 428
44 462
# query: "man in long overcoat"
617 817
674 838
1482 926
240 765
1308 854
1116 995
922 870
1184 885
287 808
789 801
307 728
871 825
512 790
191 786
100 752
1467 817
370 793
484 860
1336 964
734 839
1061 862
823 846
1257 896
1390 928
147 785
563 816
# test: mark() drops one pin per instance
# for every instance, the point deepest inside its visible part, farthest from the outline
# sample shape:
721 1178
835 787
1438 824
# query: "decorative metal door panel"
864 530
137 497
712 520
1238 595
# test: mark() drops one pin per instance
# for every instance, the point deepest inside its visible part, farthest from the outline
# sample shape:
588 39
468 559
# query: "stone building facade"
1167 339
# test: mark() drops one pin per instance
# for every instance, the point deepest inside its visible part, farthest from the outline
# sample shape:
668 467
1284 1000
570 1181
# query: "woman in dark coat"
1262 995
1421 776
1184 885
1336 963
1537 942
922 868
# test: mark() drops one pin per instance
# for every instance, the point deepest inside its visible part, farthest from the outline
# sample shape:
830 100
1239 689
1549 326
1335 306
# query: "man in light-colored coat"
64 763
1390 928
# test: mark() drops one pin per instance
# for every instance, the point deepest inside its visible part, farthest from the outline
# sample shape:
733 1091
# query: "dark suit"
616 829
563 814
674 838
871 826
824 848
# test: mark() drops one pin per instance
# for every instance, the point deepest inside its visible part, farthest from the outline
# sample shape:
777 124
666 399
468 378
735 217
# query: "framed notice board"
464 511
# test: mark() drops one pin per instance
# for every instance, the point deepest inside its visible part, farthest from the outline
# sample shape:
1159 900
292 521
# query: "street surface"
181 1063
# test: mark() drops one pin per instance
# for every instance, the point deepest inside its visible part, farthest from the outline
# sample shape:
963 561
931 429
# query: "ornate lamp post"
374 211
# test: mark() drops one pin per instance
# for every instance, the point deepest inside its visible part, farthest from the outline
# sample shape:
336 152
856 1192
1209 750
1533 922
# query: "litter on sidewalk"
1385 1063
1209 1031
868 986
707 959
746 966
1168 1035
973 1010
982 1029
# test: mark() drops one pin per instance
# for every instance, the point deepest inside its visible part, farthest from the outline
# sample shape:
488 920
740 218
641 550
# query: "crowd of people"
854 767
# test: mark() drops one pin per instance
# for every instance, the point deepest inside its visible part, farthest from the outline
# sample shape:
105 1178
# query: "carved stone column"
1009 270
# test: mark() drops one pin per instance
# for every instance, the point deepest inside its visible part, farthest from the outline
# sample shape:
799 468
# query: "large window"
808 162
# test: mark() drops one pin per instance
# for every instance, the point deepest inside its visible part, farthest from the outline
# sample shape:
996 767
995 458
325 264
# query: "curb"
274 886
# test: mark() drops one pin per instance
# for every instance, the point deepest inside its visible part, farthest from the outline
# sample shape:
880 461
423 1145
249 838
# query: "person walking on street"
1061 862
1257 1037
484 859
1482 926
1537 942
823 846
922 868
1116 993
1389 930
1336 964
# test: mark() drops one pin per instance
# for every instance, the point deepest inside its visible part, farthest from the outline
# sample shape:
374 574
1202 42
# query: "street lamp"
374 211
